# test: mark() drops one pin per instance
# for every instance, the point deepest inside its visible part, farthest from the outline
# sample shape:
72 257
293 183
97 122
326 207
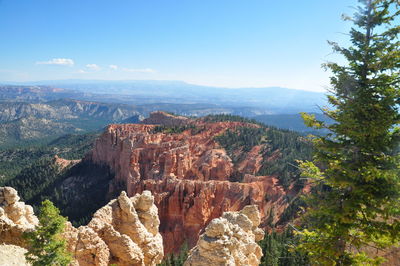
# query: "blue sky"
229 43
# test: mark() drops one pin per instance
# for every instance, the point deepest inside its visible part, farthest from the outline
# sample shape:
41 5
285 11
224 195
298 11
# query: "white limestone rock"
229 240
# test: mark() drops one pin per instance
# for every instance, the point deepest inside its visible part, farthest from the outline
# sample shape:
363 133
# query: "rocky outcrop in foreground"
11 255
124 232
15 217
230 240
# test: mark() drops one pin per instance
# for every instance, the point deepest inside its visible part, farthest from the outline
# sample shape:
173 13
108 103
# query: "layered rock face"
187 206
124 232
230 240
15 217
188 173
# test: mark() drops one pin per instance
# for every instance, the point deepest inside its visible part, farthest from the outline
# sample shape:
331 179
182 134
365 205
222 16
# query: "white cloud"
81 71
113 67
93 67
57 61
140 70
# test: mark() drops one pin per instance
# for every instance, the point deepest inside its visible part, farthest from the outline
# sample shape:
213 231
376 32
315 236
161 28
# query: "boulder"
15 217
229 240
124 232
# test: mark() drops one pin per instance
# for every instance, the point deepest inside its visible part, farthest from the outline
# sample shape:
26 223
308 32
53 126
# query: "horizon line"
31 82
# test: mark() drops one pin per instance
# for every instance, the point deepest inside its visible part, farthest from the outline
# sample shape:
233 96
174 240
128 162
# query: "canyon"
175 181
189 173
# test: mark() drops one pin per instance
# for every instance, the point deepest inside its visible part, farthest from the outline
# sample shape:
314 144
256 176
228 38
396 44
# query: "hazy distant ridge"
275 99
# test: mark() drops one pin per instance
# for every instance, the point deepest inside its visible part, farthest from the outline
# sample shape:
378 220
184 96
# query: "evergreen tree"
277 250
271 250
46 247
357 203
177 259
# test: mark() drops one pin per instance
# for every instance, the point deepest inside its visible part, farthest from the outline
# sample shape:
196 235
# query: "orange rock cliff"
188 173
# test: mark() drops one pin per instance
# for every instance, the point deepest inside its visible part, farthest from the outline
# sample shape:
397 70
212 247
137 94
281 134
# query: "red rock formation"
187 206
64 162
188 174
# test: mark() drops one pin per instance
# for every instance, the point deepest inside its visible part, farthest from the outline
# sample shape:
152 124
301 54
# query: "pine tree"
46 247
356 166
271 250
277 250
176 259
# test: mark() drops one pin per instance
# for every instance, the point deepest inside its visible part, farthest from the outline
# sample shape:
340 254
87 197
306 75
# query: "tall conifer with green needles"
356 167
45 244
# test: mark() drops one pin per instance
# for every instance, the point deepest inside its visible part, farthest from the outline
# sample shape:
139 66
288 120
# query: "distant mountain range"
270 99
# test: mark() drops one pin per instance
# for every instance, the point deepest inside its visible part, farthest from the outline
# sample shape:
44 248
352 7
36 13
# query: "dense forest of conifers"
78 191
278 250
32 171
14 159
